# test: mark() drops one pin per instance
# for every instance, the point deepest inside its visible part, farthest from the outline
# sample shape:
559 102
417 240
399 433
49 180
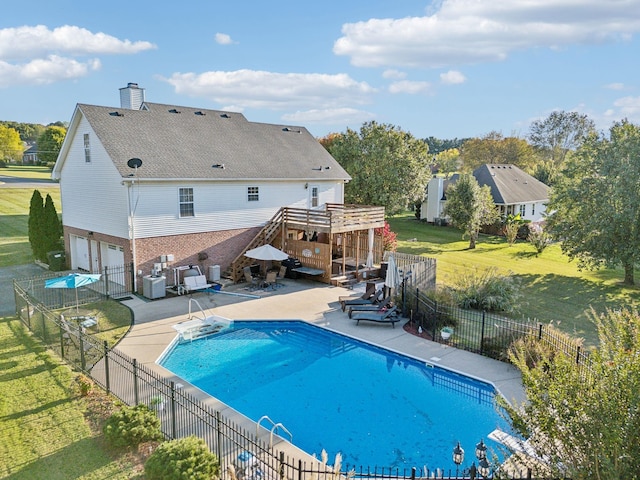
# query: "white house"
148 183
513 192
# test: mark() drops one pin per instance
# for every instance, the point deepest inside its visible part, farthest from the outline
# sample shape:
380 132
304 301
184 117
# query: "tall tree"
11 146
495 148
585 424
556 137
49 143
470 206
51 226
560 133
595 203
29 132
438 145
388 166
448 162
36 225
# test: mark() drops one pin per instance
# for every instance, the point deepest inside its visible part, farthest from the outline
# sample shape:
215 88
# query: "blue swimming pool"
374 406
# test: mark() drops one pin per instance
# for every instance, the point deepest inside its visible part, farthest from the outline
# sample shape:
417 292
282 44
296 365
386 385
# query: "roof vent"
202 114
287 129
225 115
173 110
218 165
116 114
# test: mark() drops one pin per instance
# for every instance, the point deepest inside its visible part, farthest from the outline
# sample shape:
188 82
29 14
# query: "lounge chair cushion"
388 316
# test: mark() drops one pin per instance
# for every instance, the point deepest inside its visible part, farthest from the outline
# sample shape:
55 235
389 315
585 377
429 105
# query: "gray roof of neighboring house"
177 142
510 185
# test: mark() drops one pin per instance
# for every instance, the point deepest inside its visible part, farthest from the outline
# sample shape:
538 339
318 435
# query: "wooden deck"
349 222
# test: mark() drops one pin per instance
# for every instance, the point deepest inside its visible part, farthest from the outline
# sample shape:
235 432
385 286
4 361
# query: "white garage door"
79 253
113 258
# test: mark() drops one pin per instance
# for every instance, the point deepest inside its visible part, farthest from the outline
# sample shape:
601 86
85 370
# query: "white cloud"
37 55
45 70
394 74
275 91
223 39
24 43
628 107
615 86
343 116
410 87
476 31
452 77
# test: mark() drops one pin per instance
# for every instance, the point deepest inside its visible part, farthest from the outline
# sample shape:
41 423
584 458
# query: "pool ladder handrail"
204 315
274 427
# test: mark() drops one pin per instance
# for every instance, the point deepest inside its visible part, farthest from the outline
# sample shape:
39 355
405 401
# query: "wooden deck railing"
335 218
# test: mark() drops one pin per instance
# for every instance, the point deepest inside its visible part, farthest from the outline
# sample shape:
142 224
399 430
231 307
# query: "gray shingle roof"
510 185
177 142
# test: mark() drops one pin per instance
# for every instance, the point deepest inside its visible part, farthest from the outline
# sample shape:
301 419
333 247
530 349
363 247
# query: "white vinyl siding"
93 197
221 207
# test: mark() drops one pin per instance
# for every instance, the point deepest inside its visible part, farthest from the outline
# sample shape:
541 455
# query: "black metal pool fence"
182 414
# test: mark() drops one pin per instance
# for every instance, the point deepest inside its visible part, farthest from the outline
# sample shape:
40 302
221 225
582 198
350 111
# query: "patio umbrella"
74 280
392 279
266 253
370 253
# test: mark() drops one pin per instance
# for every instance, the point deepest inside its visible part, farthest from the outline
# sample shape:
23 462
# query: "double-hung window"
186 202
314 197
523 210
253 194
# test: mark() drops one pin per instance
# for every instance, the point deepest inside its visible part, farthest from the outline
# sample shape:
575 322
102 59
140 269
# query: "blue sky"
444 68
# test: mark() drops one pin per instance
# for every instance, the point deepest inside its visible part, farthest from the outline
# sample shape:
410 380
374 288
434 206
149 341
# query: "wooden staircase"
268 234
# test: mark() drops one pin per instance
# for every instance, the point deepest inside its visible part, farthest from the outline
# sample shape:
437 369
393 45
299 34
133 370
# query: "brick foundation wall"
219 248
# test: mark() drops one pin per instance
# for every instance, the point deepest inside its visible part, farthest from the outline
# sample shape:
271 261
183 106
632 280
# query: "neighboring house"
513 192
162 184
30 155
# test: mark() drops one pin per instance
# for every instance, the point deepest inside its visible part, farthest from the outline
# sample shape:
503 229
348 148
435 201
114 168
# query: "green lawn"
14 216
26 171
44 434
554 289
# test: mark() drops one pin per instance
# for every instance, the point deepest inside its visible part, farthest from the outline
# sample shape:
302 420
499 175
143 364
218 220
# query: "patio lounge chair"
374 307
365 296
361 300
388 316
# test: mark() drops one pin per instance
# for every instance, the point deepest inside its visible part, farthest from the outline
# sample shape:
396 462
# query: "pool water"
374 406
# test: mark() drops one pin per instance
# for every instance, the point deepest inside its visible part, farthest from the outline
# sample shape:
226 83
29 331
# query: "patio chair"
370 292
361 300
281 274
374 307
254 282
270 280
387 316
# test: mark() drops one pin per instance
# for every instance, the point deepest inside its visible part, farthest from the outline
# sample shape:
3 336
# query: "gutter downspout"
132 235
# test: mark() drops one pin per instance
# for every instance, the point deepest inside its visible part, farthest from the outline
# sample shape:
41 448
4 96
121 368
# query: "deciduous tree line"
594 208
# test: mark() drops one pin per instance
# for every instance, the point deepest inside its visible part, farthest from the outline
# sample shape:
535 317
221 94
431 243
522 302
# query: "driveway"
7 274
18 182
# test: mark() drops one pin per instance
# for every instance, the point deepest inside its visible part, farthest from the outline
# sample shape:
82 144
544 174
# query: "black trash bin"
57 261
